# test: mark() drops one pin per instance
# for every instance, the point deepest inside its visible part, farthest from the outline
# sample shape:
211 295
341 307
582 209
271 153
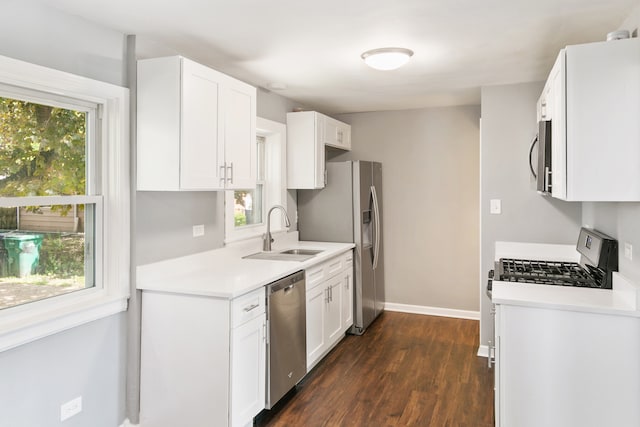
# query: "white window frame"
275 187
28 322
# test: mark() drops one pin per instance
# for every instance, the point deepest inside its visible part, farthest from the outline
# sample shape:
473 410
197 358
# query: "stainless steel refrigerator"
349 209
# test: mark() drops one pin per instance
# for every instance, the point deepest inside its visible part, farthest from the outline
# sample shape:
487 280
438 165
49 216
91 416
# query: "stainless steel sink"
286 255
301 251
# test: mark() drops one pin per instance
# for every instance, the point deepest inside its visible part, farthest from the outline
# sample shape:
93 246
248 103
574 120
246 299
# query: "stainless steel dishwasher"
287 344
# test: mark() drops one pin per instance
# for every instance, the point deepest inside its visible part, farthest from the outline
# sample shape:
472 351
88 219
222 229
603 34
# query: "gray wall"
88 360
274 107
40 35
508 126
622 221
85 361
430 184
164 222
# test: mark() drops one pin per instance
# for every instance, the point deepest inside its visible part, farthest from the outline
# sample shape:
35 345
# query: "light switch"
628 251
496 206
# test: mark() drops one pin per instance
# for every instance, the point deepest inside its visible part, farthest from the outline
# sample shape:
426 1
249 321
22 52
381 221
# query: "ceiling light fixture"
387 58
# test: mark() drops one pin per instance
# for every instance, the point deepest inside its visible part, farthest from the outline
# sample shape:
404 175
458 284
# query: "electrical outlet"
198 230
628 251
71 408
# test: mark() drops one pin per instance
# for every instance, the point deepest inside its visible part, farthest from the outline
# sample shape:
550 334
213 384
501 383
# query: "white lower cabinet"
560 368
202 359
248 368
316 301
329 299
347 292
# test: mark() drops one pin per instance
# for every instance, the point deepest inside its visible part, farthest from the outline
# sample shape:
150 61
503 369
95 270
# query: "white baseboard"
483 351
432 311
127 423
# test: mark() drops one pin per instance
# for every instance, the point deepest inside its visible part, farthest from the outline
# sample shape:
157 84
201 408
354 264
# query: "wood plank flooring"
406 370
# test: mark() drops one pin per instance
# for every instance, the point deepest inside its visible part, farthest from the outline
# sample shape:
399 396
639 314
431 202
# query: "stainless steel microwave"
542 172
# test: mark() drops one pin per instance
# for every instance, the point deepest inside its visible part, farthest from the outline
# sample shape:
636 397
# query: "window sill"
32 321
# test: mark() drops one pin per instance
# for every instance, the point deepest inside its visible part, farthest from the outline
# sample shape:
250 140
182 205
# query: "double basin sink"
286 255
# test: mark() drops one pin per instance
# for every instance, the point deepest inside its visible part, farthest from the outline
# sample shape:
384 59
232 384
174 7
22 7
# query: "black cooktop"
548 273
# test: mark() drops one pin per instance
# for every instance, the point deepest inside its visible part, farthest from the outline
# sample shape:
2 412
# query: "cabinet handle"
543 110
339 138
267 331
230 168
491 360
251 307
223 173
264 331
547 179
326 293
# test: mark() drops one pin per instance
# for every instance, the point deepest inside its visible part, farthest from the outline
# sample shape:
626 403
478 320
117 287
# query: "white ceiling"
314 47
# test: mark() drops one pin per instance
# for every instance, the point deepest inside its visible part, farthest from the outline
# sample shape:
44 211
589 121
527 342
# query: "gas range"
598 260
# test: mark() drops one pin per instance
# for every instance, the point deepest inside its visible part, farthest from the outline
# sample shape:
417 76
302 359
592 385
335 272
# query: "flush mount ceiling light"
387 58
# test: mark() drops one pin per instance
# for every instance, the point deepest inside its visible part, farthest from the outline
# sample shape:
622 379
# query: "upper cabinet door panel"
158 124
199 151
240 136
603 131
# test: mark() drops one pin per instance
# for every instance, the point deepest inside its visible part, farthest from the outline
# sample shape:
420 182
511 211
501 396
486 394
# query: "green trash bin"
4 258
23 252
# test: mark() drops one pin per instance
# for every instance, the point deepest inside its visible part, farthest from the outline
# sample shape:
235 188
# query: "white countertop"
223 273
623 299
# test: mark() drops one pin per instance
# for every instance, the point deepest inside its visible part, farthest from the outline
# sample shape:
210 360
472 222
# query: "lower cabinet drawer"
247 307
327 269
314 276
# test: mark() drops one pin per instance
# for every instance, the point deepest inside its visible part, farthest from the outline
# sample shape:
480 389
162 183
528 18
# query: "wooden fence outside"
44 220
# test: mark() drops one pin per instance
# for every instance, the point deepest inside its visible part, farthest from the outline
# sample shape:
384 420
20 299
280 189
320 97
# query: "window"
249 204
246 210
64 201
47 239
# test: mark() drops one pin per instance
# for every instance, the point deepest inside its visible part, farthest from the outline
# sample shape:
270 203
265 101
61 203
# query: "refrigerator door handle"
376 222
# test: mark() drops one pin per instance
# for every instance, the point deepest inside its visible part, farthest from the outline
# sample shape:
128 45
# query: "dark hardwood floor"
406 370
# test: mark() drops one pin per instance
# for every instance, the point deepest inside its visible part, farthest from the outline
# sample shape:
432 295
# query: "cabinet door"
556 103
305 150
316 302
344 136
184 371
347 299
333 318
336 134
330 131
248 379
318 146
239 102
200 132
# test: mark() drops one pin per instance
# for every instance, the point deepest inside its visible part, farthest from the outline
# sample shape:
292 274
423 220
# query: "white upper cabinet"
308 132
196 127
592 98
336 134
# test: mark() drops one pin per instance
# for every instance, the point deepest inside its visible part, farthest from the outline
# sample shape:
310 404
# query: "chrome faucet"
266 238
